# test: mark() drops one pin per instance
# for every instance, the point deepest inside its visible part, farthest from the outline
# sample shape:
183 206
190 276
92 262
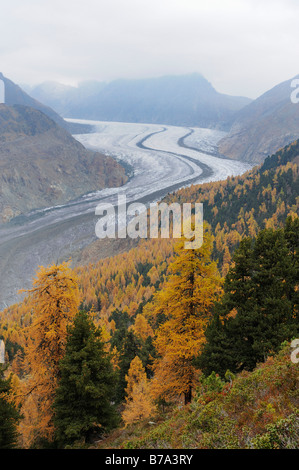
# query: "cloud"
242 47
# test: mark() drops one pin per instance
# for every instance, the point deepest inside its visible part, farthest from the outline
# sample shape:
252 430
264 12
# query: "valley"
162 158
149 228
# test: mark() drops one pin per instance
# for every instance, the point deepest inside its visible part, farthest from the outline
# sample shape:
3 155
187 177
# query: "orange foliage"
54 301
186 299
138 402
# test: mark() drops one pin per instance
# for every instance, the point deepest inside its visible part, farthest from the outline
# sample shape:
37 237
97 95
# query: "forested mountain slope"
234 208
240 206
140 300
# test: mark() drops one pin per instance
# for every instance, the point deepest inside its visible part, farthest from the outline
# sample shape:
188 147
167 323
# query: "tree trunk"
188 395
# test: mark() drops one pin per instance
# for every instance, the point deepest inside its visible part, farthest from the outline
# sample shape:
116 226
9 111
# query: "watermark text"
159 220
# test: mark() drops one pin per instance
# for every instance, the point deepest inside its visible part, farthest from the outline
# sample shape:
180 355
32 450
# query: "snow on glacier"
158 168
163 162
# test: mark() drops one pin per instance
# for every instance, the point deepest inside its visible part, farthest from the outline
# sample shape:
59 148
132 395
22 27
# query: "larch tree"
186 300
141 327
136 373
139 404
54 301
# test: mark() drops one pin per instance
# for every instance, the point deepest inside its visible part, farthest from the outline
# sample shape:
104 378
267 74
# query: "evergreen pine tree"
83 399
218 352
259 309
9 415
291 233
131 347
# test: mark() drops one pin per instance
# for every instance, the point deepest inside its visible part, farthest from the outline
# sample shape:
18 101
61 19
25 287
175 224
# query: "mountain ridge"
173 100
37 161
15 95
264 126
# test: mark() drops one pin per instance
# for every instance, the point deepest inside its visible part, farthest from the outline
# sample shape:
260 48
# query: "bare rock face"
264 126
11 94
42 165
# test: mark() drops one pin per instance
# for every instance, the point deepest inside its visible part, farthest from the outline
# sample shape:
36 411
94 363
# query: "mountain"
188 100
64 98
262 127
234 208
42 165
14 95
251 409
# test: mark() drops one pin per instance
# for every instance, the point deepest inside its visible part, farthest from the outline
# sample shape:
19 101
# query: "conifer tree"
54 300
130 348
135 375
259 309
138 401
9 415
186 300
83 404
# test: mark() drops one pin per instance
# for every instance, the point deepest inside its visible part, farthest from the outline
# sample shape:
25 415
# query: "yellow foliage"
141 327
54 301
139 404
186 299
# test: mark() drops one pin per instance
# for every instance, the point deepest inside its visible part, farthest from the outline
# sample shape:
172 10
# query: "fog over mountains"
257 128
41 164
15 95
188 100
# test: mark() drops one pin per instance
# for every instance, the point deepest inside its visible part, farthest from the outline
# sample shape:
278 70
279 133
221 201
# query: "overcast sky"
243 47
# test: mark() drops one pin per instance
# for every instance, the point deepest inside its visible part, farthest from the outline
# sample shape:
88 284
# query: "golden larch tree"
138 401
141 327
186 299
54 300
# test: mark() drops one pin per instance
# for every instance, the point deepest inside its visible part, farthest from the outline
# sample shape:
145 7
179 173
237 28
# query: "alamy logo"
295 353
295 93
2 92
2 352
157 221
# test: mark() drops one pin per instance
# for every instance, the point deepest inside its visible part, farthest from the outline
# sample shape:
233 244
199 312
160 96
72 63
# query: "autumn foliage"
153 305
186 300
139 404
54 301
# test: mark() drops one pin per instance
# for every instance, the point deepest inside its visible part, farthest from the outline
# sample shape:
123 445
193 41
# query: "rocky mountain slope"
188 100
42 165
14 95
264 126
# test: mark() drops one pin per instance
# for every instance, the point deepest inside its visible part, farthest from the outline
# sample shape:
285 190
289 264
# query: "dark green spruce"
83 404
259 309
10 416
